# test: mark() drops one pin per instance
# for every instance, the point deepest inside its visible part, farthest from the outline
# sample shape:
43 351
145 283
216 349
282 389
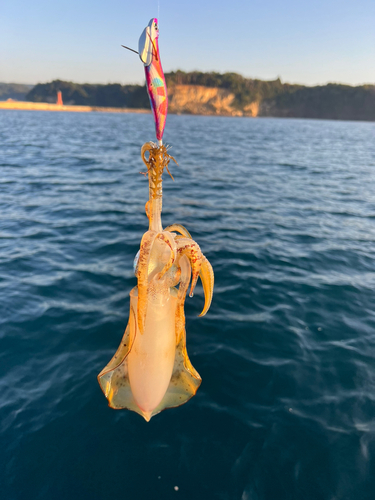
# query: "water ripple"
284 210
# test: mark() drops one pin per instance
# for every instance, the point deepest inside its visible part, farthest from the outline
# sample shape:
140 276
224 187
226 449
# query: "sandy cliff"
200 100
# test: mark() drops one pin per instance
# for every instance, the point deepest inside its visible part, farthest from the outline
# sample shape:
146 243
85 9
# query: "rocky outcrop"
200 100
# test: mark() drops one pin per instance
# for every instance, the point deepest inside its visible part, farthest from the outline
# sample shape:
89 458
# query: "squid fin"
113 378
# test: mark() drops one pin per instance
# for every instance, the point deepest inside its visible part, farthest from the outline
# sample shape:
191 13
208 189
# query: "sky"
309 42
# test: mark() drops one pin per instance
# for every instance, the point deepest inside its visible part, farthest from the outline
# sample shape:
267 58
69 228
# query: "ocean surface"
285 212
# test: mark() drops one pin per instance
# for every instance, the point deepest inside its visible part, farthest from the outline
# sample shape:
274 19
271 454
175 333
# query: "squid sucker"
151 370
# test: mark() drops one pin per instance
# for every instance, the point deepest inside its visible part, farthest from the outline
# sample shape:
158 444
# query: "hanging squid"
151 369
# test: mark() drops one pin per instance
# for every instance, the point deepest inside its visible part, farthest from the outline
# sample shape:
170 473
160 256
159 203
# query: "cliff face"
200 100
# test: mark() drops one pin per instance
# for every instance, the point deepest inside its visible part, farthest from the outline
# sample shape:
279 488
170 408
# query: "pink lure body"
155 80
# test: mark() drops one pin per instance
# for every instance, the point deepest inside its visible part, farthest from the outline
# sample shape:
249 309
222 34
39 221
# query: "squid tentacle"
168 239
147 209
147 147
206 272
142 275
188 247
206 275
185 267
180 229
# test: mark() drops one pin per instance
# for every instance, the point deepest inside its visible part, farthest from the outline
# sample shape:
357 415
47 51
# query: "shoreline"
45 106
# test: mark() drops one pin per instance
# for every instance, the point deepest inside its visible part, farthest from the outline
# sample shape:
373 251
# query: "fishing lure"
156 87
151 369
148 47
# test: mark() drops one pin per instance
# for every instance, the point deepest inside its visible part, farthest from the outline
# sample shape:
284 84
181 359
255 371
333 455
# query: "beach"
45 106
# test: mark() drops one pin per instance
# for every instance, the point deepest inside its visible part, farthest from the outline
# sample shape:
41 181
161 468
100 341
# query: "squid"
151 370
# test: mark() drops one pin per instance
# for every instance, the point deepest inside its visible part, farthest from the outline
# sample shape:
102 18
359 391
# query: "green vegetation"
16 91
332 101
111 95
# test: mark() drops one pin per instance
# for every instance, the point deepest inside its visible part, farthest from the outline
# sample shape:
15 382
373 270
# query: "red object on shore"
59 101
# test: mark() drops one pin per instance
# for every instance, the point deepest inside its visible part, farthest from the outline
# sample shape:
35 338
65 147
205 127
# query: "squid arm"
168 239
206 272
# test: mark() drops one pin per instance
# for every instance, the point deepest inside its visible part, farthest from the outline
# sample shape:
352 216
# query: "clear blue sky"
309 42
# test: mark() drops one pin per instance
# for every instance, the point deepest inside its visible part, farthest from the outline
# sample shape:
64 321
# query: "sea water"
285 212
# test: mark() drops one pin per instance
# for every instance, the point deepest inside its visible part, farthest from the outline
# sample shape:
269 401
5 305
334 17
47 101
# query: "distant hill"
332 101
16 91
111 95
224 94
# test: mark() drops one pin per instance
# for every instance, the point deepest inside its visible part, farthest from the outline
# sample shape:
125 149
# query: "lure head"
153 25
147 45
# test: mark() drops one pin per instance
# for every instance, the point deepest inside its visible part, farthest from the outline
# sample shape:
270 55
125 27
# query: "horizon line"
335 82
